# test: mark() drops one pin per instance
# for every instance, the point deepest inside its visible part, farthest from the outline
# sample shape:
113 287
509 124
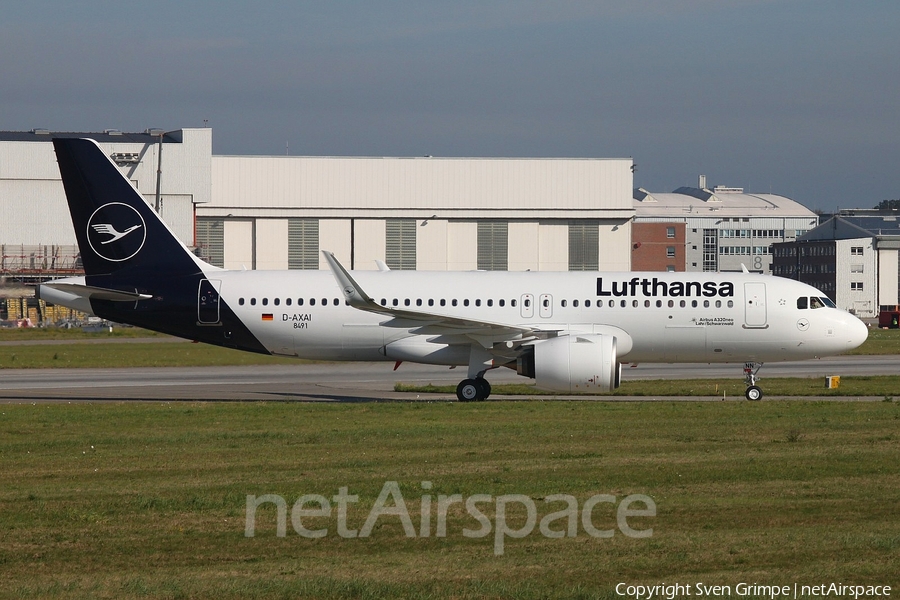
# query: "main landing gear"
472 390
754 392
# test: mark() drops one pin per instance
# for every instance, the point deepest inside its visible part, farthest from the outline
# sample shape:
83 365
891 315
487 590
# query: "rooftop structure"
725 227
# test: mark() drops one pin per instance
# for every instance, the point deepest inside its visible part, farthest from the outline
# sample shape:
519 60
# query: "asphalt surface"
361 382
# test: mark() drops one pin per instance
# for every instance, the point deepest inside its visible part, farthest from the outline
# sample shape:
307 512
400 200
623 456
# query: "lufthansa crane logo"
116 232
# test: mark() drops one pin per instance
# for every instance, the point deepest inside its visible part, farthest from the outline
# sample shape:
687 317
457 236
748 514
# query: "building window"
856 268
493 245
400 244
211 241
710 252
670 232
670 251
584 245
670 268
856 286
303 244
856 250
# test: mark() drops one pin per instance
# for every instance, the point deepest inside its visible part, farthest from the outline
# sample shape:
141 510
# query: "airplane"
569 331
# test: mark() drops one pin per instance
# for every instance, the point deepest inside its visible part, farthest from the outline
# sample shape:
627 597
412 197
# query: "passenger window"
406 302
252 301
587 303
683 304
512 303
287 301
277 301
453 302
418 302
490 302
693 304
466 302
646 304
324 301
634 303
265 301
718 304
563 303
312 301
671 303
241 301
383 302
731 304
599 303
431 302
527 302
546 302
443 302
802 303
706 304
300 301
395 302
659 304
622 304
574 303
502 302
336 301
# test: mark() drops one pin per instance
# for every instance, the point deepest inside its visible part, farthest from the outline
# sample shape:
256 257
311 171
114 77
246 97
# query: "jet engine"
573 363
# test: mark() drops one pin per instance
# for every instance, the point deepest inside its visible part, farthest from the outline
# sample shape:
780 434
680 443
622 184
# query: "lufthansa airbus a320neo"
569 331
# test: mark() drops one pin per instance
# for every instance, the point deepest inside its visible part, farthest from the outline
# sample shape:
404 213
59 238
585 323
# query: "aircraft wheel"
468 390
754 393
484 388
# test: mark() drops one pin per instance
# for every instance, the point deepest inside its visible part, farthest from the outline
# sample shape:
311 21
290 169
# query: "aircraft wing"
484 332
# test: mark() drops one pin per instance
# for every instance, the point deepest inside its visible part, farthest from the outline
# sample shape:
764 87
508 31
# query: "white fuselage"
658 317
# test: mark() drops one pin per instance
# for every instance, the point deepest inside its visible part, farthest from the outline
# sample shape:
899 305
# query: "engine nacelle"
574 363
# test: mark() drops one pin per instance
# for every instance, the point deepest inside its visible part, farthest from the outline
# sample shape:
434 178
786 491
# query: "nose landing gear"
754 392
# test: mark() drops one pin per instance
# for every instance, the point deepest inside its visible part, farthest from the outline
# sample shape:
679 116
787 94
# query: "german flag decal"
268 317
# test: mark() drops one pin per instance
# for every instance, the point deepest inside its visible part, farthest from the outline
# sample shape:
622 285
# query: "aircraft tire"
754 393
484 388
468 390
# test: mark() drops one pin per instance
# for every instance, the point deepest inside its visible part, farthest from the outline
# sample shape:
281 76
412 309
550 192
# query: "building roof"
719 202
854 226
109 136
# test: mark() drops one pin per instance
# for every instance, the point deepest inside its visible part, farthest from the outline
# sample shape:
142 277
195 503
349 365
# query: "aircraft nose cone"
857 332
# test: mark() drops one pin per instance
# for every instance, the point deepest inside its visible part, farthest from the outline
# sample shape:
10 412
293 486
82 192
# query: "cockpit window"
827 302
802 302
815 303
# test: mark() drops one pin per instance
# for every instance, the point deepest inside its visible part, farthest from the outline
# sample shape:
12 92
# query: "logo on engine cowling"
116 232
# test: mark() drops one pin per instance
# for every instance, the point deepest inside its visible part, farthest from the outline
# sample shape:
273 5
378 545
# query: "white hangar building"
278 212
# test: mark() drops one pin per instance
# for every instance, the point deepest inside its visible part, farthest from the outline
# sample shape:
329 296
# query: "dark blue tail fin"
136 270
117 231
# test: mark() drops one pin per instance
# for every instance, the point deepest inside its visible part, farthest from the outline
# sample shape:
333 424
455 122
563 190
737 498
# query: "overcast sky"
799 98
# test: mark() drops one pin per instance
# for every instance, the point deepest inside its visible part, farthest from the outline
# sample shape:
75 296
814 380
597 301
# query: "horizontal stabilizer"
96 293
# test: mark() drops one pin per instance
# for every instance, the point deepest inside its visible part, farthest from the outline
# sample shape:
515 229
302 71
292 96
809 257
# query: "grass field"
148 499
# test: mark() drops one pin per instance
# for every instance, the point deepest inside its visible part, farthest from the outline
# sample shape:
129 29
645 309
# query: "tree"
888 205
